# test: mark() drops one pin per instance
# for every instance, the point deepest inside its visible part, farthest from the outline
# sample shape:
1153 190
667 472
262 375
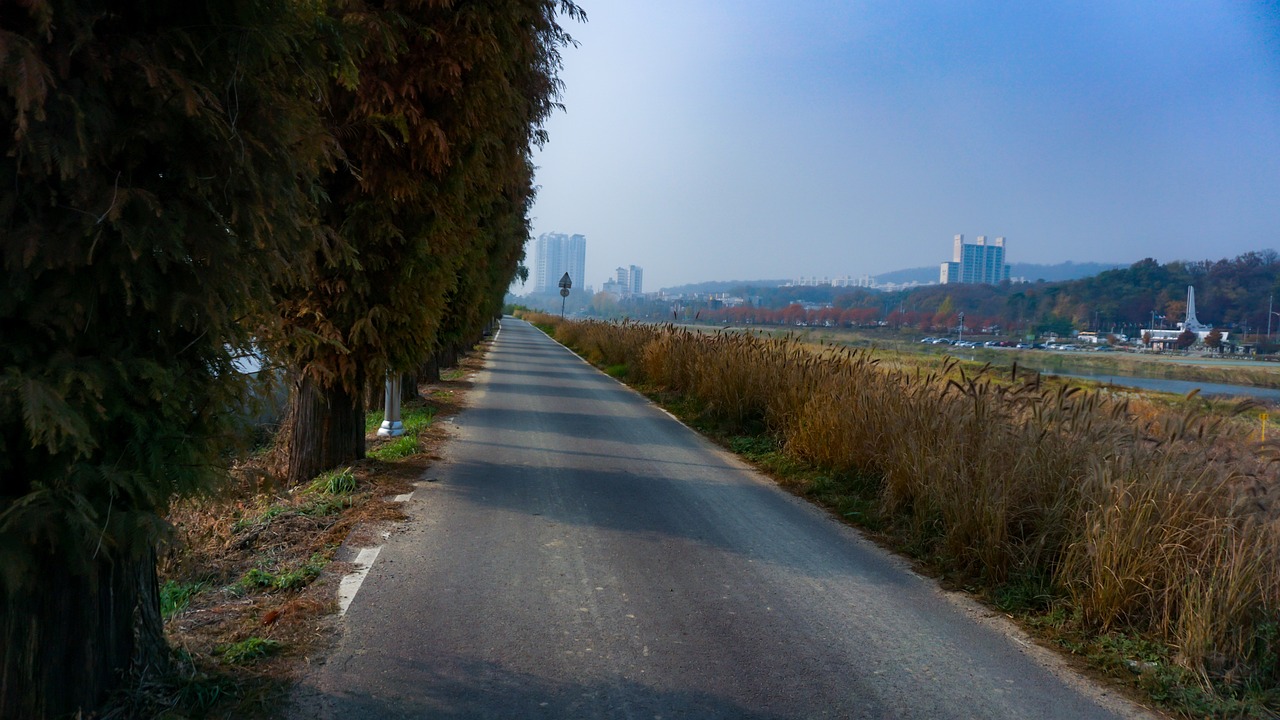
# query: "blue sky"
744 139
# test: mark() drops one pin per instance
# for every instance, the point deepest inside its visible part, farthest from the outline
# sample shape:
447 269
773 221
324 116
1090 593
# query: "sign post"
565 284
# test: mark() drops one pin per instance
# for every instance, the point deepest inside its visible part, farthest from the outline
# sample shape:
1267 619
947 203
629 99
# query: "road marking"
350 584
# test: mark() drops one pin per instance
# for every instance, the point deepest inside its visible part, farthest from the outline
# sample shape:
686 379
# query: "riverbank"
1168 366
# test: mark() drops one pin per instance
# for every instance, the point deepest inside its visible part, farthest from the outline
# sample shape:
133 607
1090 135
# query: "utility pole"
1269 314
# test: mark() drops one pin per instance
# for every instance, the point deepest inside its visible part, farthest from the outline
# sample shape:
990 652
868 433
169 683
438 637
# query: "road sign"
565 284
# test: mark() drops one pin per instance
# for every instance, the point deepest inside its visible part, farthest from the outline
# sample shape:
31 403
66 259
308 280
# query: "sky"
757 139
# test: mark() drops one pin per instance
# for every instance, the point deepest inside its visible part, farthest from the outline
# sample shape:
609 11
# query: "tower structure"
1193 323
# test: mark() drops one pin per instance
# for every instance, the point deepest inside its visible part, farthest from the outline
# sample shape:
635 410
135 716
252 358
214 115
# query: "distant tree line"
342 186
1230 293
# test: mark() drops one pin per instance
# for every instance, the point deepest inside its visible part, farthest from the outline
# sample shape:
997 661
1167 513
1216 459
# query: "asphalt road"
580 554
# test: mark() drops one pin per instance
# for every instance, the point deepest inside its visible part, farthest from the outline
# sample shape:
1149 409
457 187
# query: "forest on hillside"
1231 293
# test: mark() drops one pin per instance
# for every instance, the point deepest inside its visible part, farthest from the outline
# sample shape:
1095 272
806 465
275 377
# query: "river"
1182 387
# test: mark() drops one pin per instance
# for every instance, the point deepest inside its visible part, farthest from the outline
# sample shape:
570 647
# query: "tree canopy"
189 181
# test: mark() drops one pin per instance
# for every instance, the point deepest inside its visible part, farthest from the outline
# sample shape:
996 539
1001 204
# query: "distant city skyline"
723 140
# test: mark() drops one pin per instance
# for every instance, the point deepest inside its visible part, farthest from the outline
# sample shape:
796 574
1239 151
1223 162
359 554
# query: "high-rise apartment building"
557 254
635 286
626 282
977 262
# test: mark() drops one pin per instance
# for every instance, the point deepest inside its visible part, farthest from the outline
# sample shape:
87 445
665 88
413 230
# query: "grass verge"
247 593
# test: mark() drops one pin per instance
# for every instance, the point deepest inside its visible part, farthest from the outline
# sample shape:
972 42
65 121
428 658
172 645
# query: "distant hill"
1030 271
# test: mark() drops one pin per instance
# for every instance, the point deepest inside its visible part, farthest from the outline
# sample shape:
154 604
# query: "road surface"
580 554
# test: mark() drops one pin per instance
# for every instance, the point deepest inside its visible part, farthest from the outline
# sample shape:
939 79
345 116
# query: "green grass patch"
176 596
295 579
335 482
620 371
415 419
248 650
1026 594
323 505
401 447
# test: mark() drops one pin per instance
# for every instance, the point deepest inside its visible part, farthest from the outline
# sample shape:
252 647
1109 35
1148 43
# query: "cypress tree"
428 203
157 188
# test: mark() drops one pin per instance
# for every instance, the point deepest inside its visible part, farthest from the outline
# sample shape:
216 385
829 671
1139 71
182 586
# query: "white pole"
391 425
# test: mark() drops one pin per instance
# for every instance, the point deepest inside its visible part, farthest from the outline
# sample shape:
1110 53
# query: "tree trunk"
78 632
430 371
326 429
447 357
408 387
375 396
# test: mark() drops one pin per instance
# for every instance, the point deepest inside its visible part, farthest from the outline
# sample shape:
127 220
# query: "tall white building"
626 282
635 277
557 254
977 262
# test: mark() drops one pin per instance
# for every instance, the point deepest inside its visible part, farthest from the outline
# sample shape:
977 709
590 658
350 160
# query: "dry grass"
1140 518
249 582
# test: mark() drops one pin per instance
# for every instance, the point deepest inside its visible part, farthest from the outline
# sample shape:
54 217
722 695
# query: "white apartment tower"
636 277
977 262
557 254
626 282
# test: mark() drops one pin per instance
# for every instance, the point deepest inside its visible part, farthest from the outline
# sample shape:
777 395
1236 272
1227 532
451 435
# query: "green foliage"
293 579
175 596
335 482
134 191
443 109
428 220
1229 293
415 419
400 447
248 650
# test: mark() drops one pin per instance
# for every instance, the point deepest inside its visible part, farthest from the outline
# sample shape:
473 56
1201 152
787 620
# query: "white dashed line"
350 584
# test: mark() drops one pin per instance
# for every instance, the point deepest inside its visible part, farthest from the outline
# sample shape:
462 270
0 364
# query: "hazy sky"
747 139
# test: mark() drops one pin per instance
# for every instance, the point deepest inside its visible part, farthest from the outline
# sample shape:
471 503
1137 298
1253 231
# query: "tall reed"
1143 518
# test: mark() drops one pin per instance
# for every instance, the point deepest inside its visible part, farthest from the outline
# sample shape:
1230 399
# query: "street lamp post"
961 328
